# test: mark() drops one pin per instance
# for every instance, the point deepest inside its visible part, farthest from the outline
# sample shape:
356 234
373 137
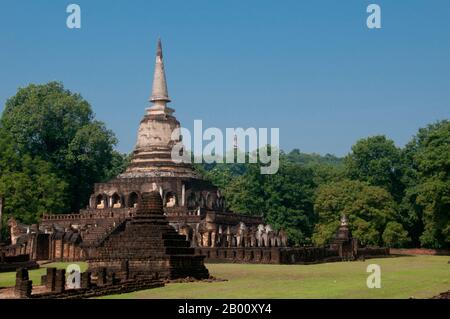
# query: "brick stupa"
146 246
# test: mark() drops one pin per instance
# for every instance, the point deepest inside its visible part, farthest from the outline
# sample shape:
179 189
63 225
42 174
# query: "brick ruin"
343 246
343 241
146 246
138 254
11 263
54 285
194 207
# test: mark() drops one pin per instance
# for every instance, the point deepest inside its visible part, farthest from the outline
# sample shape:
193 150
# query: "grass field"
8 279
402 277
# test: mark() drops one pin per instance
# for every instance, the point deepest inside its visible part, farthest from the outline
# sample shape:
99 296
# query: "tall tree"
284 199
368 208
50 123
326 168
395 235
428 191
28 185
377 160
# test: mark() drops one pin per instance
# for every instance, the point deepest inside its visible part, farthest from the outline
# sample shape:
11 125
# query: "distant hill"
295 156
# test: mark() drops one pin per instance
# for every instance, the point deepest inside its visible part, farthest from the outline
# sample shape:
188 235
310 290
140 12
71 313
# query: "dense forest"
52 151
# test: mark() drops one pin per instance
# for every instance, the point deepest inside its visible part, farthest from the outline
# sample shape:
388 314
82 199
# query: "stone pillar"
72 251
31 245
61 253
213 239
110 278
53 249
86 280
65 254
50 279
60 281
183 194
23 284
101 277
125 268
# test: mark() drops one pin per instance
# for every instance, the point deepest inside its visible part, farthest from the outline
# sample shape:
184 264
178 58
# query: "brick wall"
420 251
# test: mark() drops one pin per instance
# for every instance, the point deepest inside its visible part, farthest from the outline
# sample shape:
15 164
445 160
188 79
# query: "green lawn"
403 277
8 279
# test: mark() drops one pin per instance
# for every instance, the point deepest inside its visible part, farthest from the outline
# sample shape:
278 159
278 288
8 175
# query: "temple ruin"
192 206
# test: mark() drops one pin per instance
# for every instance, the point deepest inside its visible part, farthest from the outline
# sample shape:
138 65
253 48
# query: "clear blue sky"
311 68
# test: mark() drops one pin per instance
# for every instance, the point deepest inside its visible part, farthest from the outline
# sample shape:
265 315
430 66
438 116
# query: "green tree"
410 212
376 160
119 163
395 235
284 199
428 184
28 185
50 123
245 193
368 208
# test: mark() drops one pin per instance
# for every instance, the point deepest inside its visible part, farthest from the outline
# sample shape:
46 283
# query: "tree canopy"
54 151
368 209
376 160
427 196
29 185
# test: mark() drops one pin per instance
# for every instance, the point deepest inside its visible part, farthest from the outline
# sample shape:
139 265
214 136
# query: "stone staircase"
146 245
98 231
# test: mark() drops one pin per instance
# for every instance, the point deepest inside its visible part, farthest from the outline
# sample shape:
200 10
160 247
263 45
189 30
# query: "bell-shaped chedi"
183 190
146 246
157 134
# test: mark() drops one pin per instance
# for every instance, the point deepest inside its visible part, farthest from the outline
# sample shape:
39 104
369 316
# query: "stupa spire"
160 94
159 89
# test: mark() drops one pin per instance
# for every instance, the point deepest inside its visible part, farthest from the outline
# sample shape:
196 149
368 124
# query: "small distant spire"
160 94
159 49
